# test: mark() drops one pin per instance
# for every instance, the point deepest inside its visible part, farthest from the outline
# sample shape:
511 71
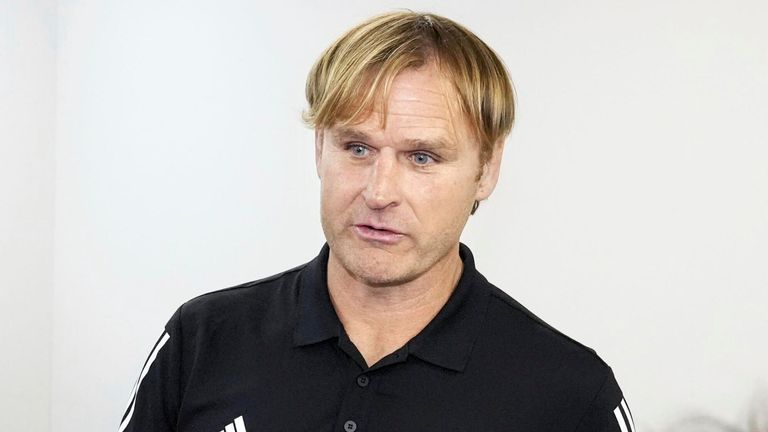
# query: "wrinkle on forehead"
440 101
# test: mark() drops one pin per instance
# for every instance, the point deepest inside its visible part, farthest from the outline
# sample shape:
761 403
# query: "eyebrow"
349 133
429 144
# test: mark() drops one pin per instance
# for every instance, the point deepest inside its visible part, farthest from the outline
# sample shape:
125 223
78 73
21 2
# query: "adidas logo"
236 426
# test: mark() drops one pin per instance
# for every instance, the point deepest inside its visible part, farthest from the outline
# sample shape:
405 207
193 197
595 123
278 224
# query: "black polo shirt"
272 355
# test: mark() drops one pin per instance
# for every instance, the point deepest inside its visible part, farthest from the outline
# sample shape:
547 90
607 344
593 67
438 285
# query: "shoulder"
548 364
513 322
234 306
506 309
518 340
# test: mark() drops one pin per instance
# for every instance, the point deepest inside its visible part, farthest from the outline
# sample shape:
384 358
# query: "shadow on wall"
757 420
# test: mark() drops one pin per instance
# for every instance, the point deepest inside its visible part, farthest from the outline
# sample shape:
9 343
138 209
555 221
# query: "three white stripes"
236 426
624 417
144 371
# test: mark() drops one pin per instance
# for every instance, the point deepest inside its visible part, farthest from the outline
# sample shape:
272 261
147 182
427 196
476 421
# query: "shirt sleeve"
154 402
609 411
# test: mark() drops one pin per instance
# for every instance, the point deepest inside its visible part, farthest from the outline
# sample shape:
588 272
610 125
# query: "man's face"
394 201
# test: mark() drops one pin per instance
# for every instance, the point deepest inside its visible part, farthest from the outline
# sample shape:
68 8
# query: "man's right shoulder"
251 301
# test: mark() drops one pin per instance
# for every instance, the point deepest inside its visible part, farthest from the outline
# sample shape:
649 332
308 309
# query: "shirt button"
363 381
350 426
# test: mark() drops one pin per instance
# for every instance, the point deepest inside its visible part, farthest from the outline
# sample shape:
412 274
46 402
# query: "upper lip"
378 226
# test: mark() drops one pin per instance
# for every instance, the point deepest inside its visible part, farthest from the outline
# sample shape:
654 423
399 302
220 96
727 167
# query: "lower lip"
379 236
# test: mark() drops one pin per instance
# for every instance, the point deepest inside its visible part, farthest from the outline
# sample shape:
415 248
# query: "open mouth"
379 229
380 235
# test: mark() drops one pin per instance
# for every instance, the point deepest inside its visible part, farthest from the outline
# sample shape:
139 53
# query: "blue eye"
357 150
422 158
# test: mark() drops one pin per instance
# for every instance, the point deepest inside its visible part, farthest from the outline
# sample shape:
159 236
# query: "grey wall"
27 96
631 211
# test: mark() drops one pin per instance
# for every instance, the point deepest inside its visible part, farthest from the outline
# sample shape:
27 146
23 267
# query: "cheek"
338 186
445 199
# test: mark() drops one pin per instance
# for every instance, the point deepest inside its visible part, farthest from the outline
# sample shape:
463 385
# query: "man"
391 327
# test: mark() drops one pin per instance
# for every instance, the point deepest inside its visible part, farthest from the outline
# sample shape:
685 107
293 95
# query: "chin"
376 267
381 279
385 278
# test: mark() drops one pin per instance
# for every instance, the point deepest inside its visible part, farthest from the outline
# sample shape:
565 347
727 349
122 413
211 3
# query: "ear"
490 175
319 137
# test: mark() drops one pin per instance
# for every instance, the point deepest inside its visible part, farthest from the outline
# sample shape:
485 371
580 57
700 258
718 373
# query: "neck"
381 319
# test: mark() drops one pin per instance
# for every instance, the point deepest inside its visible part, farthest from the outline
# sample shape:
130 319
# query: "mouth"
377 234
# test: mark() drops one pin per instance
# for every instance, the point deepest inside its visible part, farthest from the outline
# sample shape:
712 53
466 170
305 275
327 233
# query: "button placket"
354 410
361 391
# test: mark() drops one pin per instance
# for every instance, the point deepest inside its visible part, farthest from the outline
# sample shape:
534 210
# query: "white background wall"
27 103
632 211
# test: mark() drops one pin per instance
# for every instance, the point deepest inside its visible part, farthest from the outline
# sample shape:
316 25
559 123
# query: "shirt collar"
446 341
317 320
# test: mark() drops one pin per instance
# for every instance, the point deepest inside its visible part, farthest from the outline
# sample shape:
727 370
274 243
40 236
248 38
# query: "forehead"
420 104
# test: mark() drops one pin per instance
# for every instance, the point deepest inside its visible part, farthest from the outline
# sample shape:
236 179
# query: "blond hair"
355 73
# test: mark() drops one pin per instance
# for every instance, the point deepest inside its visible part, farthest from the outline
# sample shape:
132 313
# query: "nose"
383 188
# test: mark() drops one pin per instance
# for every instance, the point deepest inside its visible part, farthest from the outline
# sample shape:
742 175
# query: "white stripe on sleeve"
144 371
620 419
629 414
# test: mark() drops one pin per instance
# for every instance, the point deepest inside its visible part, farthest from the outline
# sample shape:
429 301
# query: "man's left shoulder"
518 347
515 339
512 322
